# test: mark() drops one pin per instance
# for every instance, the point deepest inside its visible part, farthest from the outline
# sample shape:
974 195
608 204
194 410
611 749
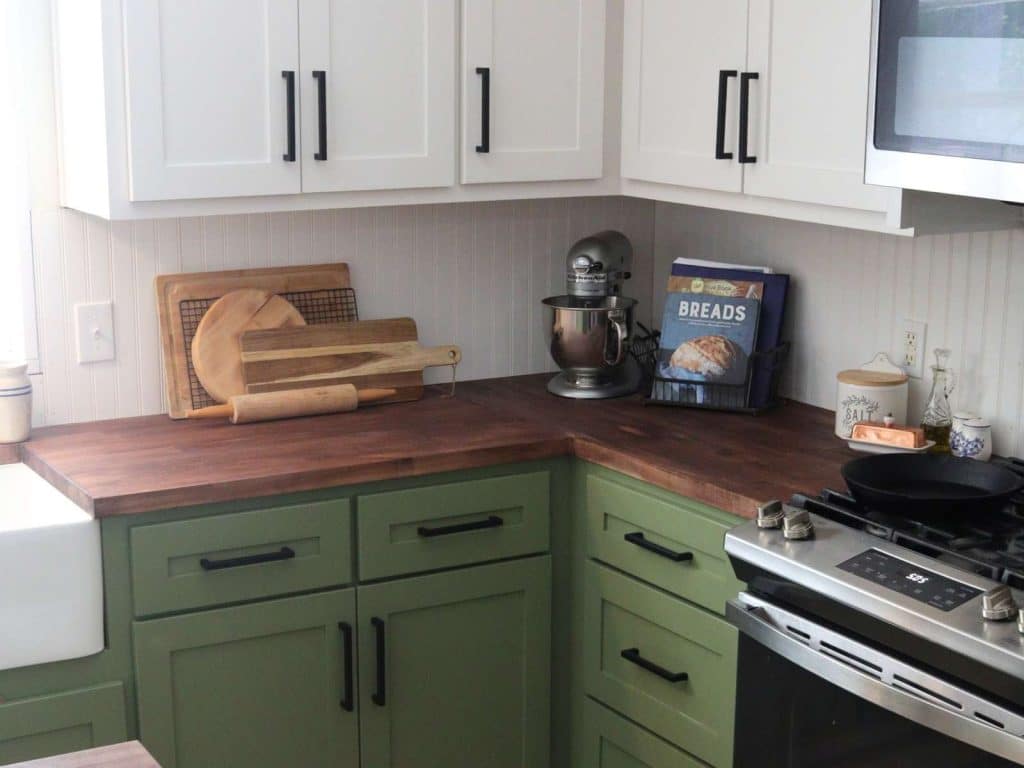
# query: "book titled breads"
709 329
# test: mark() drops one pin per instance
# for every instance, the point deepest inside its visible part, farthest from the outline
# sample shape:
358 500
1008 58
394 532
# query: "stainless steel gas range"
878 640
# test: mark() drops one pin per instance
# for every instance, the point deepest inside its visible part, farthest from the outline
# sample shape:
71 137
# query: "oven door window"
787 717
950 78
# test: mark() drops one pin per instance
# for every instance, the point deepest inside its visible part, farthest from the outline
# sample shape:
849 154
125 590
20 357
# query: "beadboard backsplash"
472 274
852 290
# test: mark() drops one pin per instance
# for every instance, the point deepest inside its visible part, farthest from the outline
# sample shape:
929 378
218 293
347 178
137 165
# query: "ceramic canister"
870 393
971 438
15 402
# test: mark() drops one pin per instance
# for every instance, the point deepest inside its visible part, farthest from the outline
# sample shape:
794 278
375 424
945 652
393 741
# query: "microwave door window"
951 78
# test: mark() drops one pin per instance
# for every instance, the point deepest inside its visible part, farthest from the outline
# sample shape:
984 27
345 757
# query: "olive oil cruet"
938 415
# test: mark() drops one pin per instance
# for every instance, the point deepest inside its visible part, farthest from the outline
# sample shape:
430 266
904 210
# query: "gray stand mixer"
588 330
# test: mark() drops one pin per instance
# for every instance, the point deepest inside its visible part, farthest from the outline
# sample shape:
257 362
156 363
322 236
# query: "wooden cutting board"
216 347
321 292
377 354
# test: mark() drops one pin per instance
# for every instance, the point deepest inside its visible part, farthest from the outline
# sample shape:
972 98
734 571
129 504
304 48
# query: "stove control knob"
997 604
770 514
796 525
1020 621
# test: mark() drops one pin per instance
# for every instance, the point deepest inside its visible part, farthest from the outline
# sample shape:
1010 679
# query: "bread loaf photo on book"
712 357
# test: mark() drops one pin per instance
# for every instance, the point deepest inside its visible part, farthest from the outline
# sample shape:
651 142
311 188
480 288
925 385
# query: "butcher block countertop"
128 755
729 461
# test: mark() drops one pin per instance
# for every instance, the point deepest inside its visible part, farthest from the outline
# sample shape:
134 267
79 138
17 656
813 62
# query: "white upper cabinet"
206 101
809 104
763 99
533 90
678 56
378 94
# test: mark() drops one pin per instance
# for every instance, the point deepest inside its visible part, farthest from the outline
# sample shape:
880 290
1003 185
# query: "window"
17 323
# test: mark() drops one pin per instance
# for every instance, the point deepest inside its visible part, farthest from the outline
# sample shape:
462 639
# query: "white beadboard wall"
852 290
473 274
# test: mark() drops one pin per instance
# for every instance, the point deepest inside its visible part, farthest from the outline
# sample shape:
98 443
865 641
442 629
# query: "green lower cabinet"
614 742
64 722
465 679
253 686
660 661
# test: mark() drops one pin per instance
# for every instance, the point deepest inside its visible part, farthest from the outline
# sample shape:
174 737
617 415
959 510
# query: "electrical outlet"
94 332
913 347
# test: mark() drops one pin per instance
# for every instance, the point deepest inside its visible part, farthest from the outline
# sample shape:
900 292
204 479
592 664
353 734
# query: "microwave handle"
888 682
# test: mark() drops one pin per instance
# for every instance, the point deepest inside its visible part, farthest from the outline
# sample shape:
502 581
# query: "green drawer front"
390 541
64 722
614 742
167 573
615 510
697 714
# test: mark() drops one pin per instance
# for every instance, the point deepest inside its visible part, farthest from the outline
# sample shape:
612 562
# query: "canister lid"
864 378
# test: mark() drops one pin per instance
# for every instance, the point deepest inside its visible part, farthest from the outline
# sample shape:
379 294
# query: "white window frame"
19 260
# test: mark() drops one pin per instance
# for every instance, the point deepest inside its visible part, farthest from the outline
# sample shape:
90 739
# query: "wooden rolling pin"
290 403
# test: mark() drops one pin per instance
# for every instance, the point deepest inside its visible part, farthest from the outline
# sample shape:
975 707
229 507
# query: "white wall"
852 290
472 274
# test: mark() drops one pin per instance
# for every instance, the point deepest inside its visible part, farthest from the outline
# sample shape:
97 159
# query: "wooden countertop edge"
130 754
295 482
10 453
671 480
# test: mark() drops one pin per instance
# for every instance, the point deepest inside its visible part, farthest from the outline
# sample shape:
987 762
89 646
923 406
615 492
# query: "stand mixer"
588 330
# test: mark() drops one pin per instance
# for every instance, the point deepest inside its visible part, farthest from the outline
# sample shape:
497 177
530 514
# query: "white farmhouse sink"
51 575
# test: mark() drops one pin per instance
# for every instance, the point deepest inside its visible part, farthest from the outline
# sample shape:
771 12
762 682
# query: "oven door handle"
879 678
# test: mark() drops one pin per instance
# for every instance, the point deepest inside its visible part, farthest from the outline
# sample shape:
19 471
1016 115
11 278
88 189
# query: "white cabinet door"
809 105
541 63
675 52
207 101
386 116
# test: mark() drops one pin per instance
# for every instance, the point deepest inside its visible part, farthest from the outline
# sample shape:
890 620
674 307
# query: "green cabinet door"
252 686
464 680
63 722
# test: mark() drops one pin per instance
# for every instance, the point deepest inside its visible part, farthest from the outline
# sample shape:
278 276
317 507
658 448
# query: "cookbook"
773 305
709 329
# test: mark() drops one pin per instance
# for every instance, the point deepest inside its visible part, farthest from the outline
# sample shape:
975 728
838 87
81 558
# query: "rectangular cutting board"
368 354
322 293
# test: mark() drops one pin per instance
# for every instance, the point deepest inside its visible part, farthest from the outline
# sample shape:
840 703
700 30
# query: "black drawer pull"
445 530
347 696
285 553
321 113
633 656
676 557
379 697
723 97
289 78
485 110
745 79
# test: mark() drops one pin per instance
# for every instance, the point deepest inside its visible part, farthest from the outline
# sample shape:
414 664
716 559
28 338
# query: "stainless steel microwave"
946 108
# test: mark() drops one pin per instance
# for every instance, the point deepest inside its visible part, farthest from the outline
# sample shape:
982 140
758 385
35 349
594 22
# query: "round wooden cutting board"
216 347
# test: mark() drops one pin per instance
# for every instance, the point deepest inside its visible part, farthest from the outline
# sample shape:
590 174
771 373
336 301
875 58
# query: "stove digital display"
900 576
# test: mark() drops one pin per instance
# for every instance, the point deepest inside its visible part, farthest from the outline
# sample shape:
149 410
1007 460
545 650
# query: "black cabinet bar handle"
378 696
285 553
633 656
289 79
347 696
321 105
723 98
676 557
745 79
493 521
485 109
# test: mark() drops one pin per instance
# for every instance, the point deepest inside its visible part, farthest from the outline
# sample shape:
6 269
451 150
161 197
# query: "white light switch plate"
94 331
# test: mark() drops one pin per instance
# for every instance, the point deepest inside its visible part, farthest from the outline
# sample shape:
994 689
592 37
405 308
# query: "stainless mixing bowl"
589 338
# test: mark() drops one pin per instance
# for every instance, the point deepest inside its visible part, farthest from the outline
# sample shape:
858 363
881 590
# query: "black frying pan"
922 484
